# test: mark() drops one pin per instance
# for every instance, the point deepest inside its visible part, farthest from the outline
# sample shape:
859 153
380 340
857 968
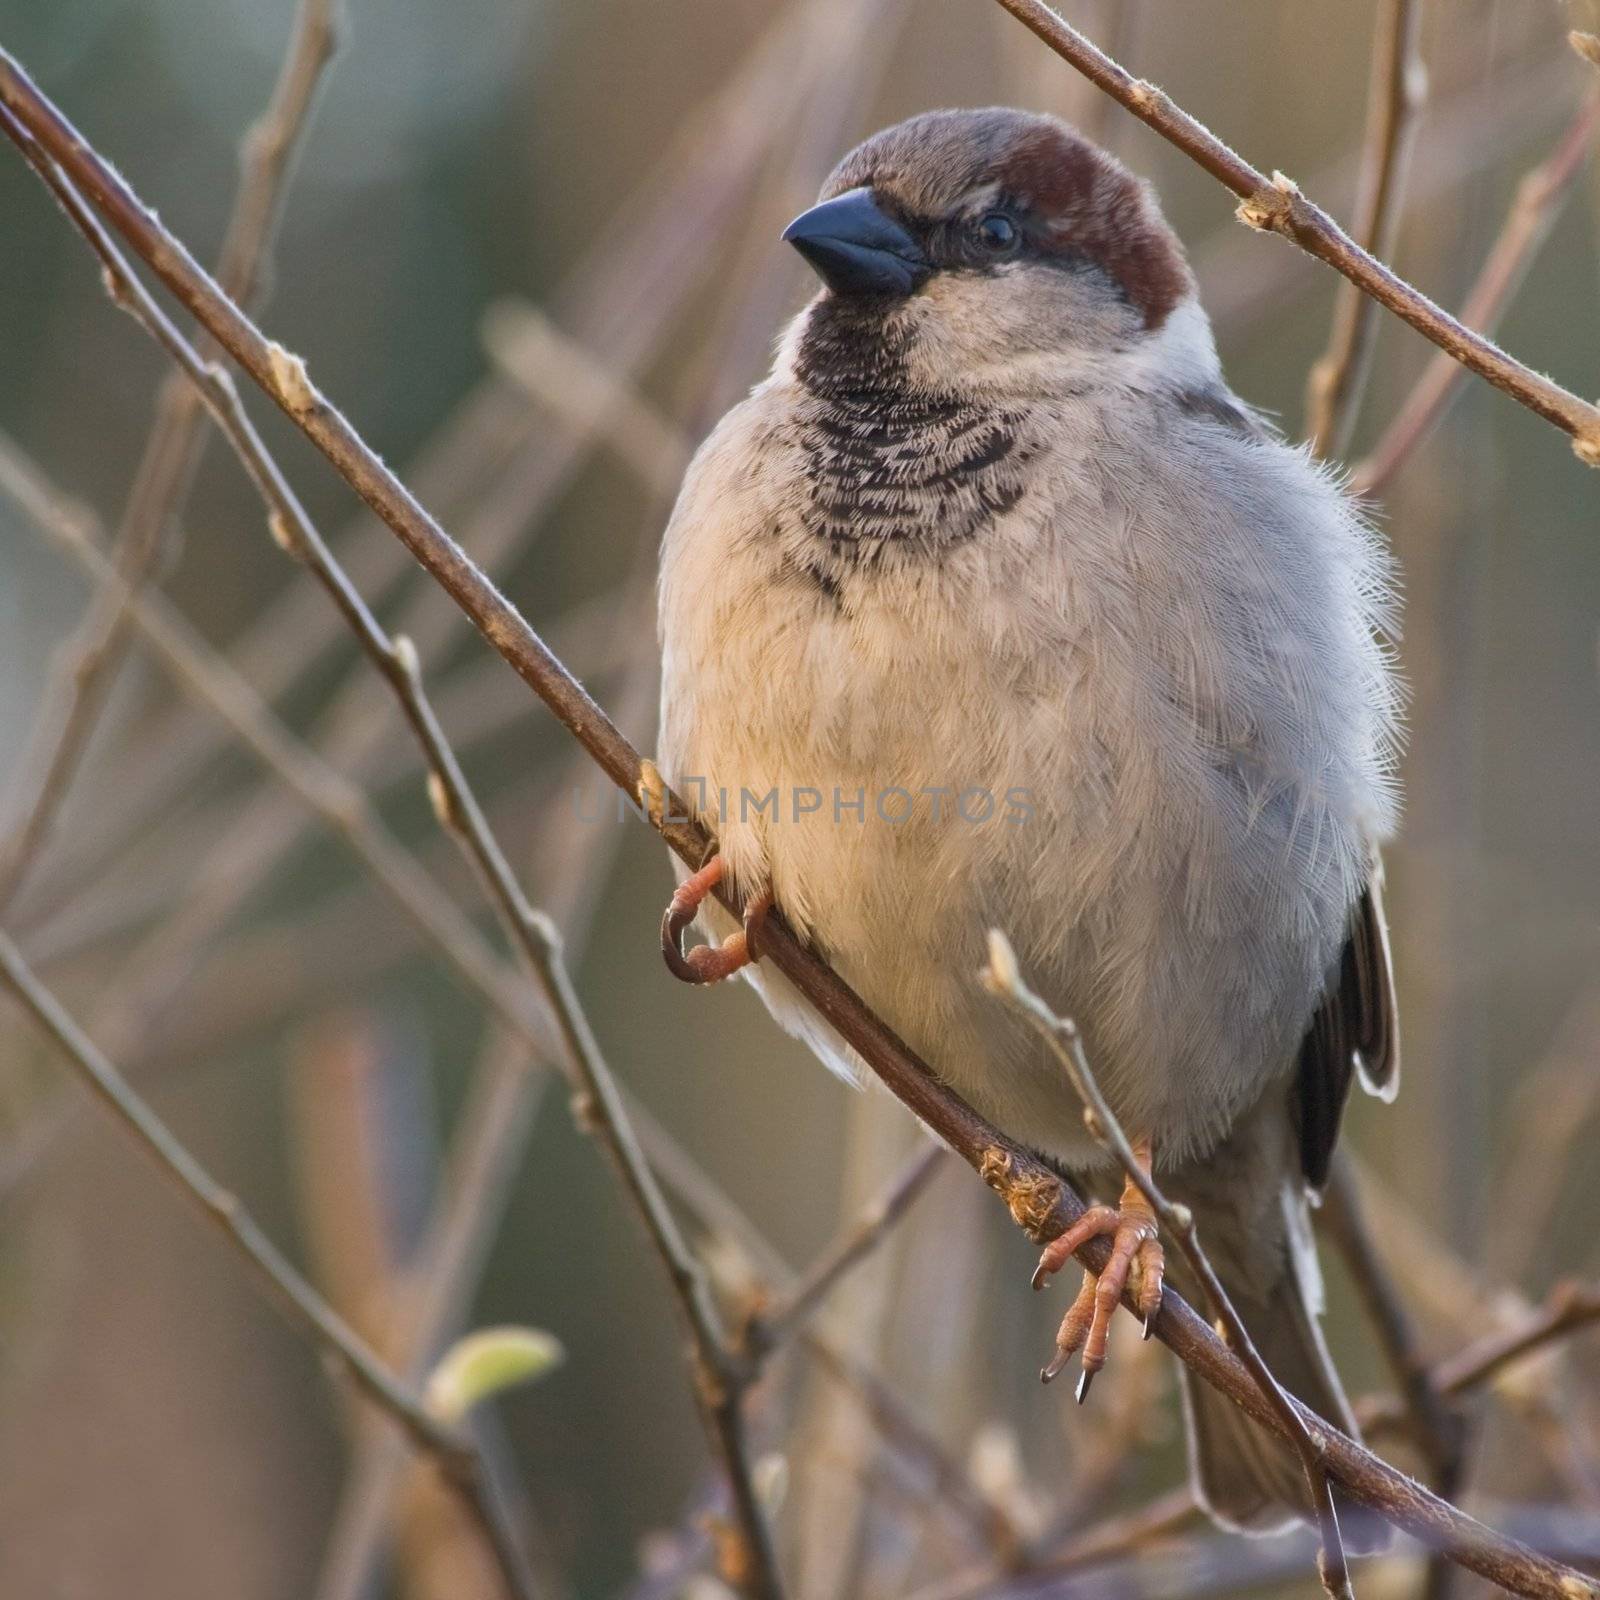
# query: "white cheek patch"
1182 352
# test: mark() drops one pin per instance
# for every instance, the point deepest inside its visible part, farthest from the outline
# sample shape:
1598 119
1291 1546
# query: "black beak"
857 249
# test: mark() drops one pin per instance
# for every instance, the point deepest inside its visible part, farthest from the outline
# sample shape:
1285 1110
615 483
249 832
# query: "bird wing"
1355 1030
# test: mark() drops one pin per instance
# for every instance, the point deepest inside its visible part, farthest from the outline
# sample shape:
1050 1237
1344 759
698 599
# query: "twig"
910 1441
1556 1101
1243 285
81 677
989 1524
1569 1308
767 1329
1276 205
1394 99
1039 1201
599 1109
1228 1567
1115 1536
350 1109
1538 202
1003 977
567 378
455 1457
211 678
500 1102
1435 1428
485 1148
496 461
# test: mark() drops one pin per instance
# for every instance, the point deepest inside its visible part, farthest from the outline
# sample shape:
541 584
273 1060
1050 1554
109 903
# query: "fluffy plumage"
1010 537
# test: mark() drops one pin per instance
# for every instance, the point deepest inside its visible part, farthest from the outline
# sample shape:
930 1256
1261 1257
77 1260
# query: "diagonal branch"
81 677
500 1102
1435 1428
1399 86
598 1106
303 1306
1276 205
772 1325
1003 977
1534 210
1038 1199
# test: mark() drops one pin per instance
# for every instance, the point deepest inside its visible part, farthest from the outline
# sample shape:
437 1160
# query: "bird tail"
1244 1476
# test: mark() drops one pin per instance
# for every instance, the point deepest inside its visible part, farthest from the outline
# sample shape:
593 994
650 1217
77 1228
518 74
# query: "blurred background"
531 249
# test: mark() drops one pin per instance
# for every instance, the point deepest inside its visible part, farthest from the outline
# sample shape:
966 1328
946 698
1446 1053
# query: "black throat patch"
893 471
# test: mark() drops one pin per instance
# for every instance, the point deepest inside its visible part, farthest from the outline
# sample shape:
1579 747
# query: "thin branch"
1394 100
1244 285
1539 199
769 1328
568 379
208 675
598 1106
496 461
1556 1102
941 1475
455 1456
1003 977
1435 1428
1227 1567
1037 1198
352 1104
485 1149
1108 1540
488 1129
1569 1309
81 677
909 1440
1276 205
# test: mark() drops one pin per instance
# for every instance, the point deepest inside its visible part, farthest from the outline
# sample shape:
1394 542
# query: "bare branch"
1394 100
496 459
501 1102
1276 205
1116 1536
1039 1201
598 1106
211 678
1570 1308
1538 202
1435 1428
769 1328
81 677
454 1456
1003 977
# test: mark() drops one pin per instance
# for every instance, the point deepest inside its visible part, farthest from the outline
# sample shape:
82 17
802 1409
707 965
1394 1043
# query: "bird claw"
708 963
1135 1253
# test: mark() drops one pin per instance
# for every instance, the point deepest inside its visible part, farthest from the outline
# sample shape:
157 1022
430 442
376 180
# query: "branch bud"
291 381
486 1362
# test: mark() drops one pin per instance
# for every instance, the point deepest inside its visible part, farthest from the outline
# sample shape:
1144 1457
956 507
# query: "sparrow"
993 607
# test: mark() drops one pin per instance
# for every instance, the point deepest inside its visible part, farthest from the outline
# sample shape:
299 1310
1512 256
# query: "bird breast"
936 669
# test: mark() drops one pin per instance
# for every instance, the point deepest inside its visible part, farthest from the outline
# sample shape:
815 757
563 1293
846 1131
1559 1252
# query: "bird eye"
997 232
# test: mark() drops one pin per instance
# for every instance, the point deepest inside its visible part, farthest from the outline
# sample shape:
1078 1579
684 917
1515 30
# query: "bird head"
991 249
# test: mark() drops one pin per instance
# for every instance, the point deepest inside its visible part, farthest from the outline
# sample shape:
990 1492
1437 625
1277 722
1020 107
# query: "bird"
992 606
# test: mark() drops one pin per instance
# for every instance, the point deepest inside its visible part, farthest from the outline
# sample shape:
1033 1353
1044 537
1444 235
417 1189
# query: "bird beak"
856 249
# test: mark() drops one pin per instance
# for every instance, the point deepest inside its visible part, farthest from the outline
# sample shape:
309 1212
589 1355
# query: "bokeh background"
483 183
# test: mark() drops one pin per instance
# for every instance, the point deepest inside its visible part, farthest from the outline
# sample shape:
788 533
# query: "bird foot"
1136 1254
708 963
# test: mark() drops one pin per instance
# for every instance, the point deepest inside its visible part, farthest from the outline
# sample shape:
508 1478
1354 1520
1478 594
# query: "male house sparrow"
993 607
